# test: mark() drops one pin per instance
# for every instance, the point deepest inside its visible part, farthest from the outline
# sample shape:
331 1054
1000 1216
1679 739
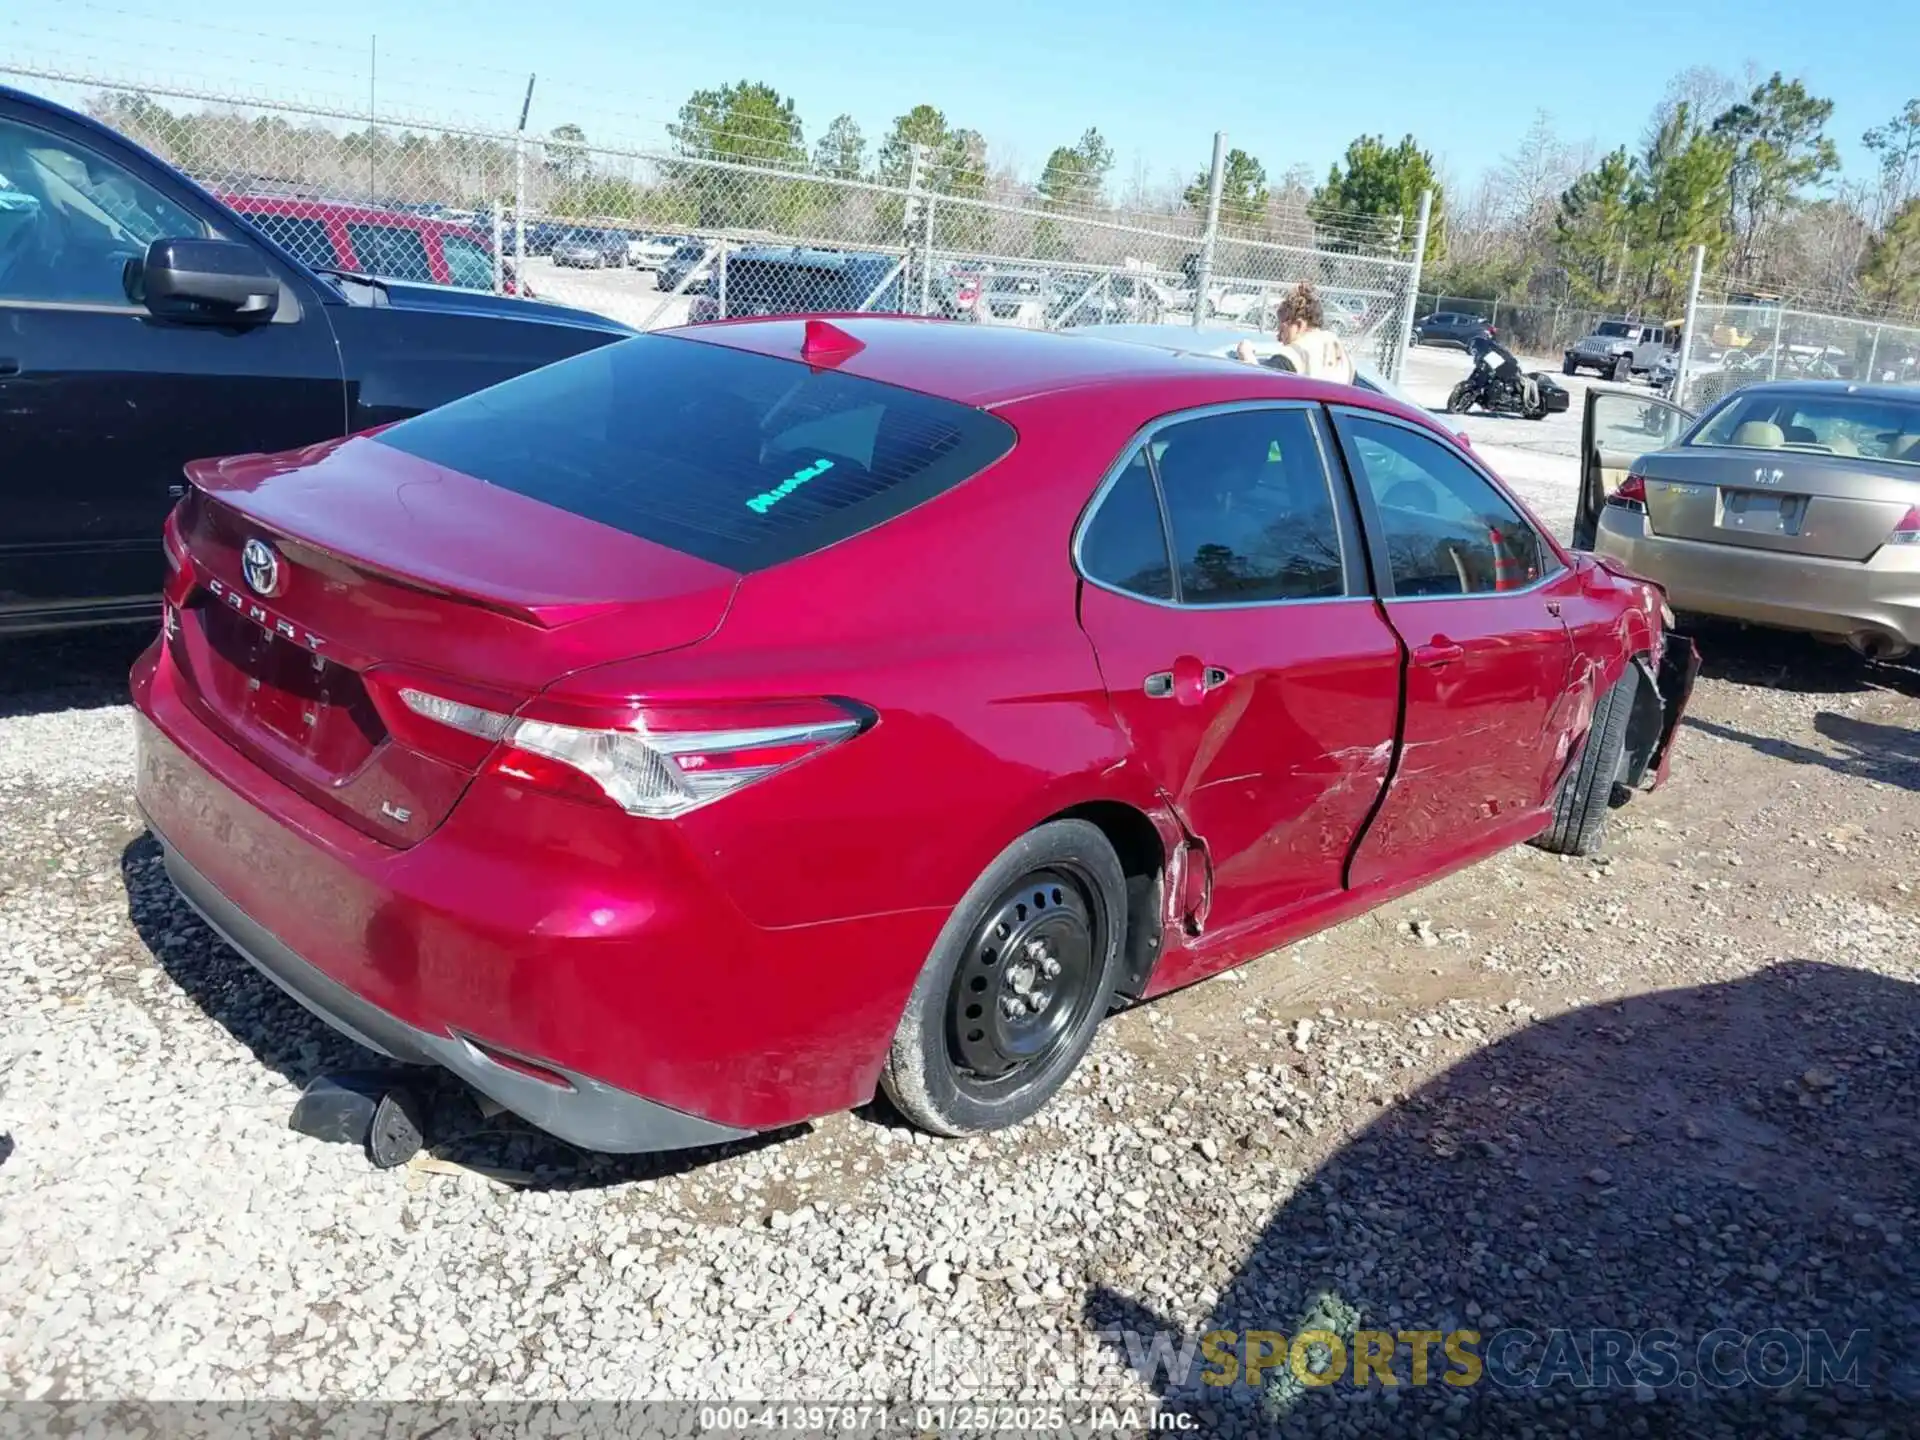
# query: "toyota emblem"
261 567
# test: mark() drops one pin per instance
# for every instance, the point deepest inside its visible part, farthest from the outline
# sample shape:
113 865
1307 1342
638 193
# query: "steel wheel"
1026 980
1015 986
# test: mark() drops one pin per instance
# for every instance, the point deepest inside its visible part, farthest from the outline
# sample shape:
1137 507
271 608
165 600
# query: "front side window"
1446 530
392 252
470 264
70 220
1250 508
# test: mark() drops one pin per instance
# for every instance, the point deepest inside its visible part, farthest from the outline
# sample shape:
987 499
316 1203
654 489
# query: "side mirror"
213 280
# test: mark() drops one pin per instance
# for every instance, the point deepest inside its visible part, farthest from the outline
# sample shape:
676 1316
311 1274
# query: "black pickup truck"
144 324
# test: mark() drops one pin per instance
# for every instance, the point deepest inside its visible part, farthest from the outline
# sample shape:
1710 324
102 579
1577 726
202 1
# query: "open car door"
1617 428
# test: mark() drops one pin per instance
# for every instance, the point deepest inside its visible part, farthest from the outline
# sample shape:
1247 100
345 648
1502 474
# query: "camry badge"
260 568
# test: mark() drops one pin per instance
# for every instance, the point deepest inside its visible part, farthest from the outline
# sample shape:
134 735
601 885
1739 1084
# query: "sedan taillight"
1907 532
656 761
1632 494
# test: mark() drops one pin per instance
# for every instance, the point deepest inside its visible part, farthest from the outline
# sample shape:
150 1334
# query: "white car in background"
650 252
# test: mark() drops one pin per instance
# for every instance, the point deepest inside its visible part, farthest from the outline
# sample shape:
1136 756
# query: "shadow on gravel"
1660 1216
1889 754
283 1034
79 671
1783 660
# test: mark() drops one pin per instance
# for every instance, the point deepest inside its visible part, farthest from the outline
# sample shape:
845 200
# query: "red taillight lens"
1632 493
653 760
1907 532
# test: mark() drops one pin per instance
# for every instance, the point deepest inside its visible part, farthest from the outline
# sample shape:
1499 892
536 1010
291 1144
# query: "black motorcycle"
1497 385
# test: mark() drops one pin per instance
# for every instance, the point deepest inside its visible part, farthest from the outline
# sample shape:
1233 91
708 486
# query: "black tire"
1567 367
933 1073
1585 795
1623 369
1459 399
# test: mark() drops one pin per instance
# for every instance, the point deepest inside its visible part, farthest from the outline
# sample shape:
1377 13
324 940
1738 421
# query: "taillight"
654 760
1907 532
1632 494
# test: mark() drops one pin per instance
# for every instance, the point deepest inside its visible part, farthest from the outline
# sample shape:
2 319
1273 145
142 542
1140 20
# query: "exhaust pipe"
1877 645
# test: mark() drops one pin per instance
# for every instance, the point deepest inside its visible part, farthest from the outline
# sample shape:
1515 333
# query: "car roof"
300 209
991 365
1786 389
1212 342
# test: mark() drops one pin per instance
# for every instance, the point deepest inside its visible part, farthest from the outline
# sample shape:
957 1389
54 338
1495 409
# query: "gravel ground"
1674 1088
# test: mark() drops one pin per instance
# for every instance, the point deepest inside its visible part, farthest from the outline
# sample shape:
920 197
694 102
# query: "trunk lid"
371 568
1794 503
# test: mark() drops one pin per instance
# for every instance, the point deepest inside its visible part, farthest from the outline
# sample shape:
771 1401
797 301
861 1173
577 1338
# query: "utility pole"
1204 281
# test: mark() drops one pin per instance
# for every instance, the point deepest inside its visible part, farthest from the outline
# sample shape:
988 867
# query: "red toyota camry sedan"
694 736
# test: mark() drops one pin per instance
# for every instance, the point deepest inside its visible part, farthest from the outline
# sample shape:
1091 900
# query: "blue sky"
1293 83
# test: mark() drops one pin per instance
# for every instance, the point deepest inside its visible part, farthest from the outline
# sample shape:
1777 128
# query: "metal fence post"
1398 360
1204 281
1692 318
1873 354
720 278
926 267
520 194
1773 360
499 255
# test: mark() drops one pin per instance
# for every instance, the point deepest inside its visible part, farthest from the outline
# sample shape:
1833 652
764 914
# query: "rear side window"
1124 546
739 459
470 264
391 251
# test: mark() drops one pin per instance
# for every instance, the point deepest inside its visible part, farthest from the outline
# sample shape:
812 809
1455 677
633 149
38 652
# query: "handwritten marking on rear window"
767 499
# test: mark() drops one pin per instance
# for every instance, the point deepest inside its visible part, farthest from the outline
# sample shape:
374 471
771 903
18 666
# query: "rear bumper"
1765 587
583 1112
566 936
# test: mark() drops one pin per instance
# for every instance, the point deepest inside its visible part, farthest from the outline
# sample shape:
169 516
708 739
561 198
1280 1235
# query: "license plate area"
1761 512
280 695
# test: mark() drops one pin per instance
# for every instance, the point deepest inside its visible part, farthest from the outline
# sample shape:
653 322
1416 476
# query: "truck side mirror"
220 281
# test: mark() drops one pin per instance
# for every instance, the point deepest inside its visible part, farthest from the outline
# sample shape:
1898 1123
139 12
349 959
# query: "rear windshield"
1835 424
739 459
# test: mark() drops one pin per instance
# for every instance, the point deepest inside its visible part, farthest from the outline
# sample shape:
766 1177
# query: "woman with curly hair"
1310 348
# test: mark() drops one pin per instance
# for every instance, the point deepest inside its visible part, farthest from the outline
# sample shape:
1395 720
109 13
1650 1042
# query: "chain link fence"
661 237
1738 340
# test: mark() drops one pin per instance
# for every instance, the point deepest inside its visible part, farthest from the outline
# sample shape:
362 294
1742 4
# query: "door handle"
1159 685
1441 652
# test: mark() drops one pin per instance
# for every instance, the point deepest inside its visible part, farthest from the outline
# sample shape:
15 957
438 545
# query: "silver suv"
1620 349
